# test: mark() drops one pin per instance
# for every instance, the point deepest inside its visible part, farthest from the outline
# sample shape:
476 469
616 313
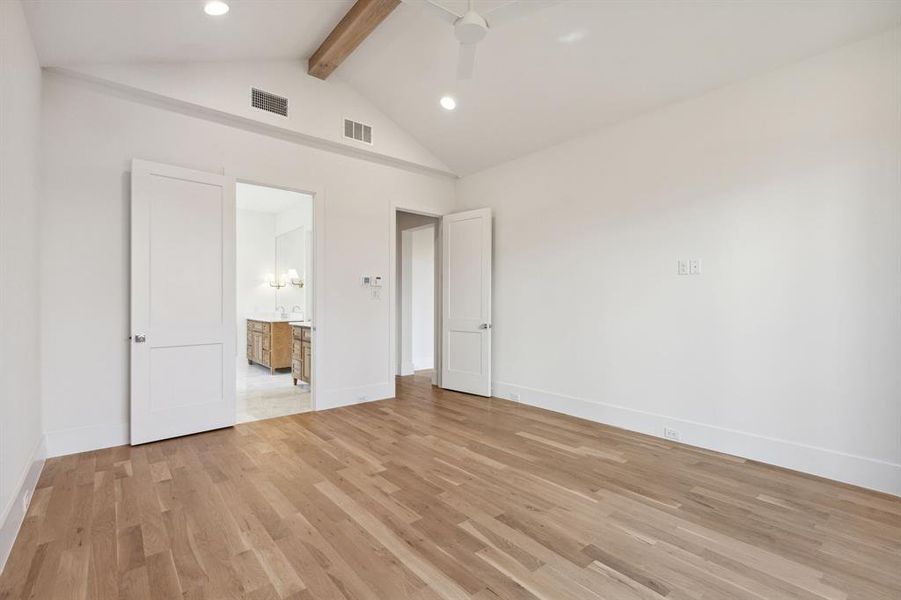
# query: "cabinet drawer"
258 326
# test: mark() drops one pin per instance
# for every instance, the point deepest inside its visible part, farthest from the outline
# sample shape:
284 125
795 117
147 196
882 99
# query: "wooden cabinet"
301 354
269 344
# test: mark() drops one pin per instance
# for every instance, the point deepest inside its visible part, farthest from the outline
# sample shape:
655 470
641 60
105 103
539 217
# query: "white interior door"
466 302
182 301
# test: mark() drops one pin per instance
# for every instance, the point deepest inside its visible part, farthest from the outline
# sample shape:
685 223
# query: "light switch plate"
694 266
682 266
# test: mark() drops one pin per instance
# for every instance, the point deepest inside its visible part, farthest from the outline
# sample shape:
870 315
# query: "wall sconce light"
276 283
294 278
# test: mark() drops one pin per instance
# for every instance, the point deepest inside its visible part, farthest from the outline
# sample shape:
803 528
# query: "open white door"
182 301
466 302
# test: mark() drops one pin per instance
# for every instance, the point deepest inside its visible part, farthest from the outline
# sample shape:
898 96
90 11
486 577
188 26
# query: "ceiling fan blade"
434 9
467 61
515 9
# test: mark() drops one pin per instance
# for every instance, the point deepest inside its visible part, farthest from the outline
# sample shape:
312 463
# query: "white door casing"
182 301
466 302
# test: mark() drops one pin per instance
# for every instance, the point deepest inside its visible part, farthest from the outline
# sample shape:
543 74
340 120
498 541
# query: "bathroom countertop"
301 324
267 319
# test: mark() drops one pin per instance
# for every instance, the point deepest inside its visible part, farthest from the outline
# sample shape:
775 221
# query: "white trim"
848 468
355 395
82 439
14 514
318 276
393 291
225 118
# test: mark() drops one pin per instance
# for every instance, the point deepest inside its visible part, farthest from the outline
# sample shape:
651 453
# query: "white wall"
787 348
254 259
299 216
85 244
20 388
423 297
315 108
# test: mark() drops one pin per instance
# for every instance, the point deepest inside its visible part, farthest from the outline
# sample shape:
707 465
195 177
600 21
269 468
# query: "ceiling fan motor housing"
471 28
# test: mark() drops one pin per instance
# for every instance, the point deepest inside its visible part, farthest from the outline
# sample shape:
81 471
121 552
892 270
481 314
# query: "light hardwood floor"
442 495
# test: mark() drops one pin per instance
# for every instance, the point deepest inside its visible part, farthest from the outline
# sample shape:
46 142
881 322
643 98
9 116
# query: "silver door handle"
140 338
485 326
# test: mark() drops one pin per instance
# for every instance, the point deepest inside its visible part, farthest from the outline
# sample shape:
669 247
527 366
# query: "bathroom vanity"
269 343
301 352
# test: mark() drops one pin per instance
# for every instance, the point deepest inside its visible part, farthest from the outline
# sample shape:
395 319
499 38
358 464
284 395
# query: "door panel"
466 302
182 301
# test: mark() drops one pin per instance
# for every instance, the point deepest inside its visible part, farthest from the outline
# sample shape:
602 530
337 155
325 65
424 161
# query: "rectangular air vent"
357 131
268 102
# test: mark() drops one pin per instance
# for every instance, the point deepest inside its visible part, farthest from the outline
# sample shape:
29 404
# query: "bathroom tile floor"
261 395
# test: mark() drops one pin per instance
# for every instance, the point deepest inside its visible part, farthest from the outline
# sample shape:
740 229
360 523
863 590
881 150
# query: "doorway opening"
417 297
274 301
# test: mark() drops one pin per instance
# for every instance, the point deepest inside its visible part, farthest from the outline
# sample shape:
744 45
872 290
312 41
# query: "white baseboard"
326 399
848 468
406 368
82 439
95 437
14 514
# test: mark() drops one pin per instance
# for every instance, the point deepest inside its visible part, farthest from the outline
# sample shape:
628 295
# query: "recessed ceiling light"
572 37
215 8
448 103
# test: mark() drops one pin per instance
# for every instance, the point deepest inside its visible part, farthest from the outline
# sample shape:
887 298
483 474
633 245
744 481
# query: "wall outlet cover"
671 434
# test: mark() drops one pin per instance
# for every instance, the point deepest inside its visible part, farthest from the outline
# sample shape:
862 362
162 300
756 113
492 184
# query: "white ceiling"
532 88
266 199
71 32
556 74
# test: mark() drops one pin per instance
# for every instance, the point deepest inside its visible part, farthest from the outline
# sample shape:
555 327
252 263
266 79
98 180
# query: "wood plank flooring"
441 495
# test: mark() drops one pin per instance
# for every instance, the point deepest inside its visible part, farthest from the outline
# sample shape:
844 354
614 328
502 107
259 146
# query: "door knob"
140 338
485 326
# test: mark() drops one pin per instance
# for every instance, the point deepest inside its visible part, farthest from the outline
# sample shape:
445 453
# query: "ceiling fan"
472 27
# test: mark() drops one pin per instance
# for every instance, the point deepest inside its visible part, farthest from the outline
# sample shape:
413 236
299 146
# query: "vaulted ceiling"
555 74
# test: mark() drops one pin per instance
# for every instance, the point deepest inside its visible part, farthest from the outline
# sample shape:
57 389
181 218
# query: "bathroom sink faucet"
280 310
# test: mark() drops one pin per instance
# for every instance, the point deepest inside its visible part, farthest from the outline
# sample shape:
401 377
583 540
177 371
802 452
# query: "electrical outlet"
694 266
682 266
671 434
514 396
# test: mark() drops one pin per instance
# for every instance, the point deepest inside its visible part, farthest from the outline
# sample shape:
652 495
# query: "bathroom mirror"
291 267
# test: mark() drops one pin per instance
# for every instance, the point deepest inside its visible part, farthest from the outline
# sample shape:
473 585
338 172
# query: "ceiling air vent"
268 102
357 131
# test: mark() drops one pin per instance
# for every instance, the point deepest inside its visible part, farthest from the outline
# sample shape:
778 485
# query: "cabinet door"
257 347
306 363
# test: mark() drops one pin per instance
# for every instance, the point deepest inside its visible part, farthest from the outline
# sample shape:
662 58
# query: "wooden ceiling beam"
362 18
